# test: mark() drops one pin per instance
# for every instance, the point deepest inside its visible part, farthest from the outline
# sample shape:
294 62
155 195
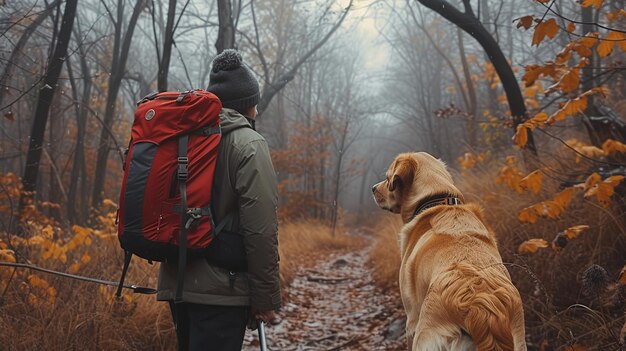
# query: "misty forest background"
524 100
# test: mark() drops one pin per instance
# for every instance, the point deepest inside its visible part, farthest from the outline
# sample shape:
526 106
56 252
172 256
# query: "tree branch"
271 89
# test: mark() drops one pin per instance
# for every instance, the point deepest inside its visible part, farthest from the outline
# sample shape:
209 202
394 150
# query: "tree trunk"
471 92
77 174
226 28
46 93
164 62
337 180
118 68
470 24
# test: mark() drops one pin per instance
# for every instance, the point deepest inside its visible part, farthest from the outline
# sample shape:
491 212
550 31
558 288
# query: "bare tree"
121 47
44 100
226 29
277 81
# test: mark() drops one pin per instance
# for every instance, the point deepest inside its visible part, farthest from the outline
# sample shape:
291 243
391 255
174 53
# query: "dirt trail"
336 306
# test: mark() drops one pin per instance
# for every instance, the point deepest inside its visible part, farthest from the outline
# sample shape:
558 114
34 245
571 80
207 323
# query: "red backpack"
165 201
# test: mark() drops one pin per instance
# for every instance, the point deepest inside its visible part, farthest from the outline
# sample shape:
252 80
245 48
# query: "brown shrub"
385 254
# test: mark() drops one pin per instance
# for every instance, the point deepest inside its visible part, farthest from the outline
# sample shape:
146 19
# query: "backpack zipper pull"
231 279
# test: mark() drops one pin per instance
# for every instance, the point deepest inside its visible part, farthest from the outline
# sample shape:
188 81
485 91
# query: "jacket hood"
231 120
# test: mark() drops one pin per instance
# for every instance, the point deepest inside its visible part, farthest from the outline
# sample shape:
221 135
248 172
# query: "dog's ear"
403 172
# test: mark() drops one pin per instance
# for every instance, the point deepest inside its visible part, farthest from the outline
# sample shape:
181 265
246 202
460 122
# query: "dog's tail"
486 302
488 323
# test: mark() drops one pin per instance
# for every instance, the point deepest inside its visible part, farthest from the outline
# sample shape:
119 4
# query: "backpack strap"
183 174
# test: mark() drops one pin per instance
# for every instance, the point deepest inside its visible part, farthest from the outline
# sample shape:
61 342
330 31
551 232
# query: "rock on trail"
336 306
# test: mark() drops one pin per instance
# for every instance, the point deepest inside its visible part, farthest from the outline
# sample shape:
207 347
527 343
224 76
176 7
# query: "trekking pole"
261 329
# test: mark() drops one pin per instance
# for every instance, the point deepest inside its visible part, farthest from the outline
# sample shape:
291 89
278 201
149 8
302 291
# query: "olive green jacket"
245 185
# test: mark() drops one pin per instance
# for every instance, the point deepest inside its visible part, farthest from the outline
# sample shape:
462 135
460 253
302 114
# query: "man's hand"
268 317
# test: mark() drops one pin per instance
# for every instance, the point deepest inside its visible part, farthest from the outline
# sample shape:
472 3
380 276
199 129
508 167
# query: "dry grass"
385 254
302 243
85 316
557 311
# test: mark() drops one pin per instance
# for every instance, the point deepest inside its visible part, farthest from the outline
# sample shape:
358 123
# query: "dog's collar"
436 201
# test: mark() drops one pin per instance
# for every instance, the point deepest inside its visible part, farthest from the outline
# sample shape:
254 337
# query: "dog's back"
470 303
454 287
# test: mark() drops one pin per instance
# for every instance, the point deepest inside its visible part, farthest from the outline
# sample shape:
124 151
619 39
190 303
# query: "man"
219 303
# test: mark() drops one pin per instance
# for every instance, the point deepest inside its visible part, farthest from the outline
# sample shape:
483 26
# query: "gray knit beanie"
233 82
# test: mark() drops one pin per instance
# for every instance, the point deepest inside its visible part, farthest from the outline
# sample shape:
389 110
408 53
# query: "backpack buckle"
148 97
182 96
182 168
195 213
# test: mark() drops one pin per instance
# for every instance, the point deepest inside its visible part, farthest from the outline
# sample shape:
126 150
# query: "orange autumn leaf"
527 215
570 108
547 28
537 121
596 3
577 347
573 232
526 22
570 81
533 72
532 246
521 136
589 151
611 146
606 46
549 208
532 181
591 181
589 40
467 161
564 197
7 255
571 27
604 190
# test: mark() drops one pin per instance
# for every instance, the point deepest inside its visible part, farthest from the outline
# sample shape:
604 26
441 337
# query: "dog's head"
410 179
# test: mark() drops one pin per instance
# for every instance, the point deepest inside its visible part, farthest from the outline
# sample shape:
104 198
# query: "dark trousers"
210 327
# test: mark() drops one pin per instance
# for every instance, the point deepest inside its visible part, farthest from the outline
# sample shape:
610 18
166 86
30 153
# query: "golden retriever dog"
456 292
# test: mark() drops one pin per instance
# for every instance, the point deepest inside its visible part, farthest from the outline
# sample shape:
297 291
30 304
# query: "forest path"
336 306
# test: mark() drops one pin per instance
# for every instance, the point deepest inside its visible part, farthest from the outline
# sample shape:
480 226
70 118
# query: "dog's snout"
374 188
